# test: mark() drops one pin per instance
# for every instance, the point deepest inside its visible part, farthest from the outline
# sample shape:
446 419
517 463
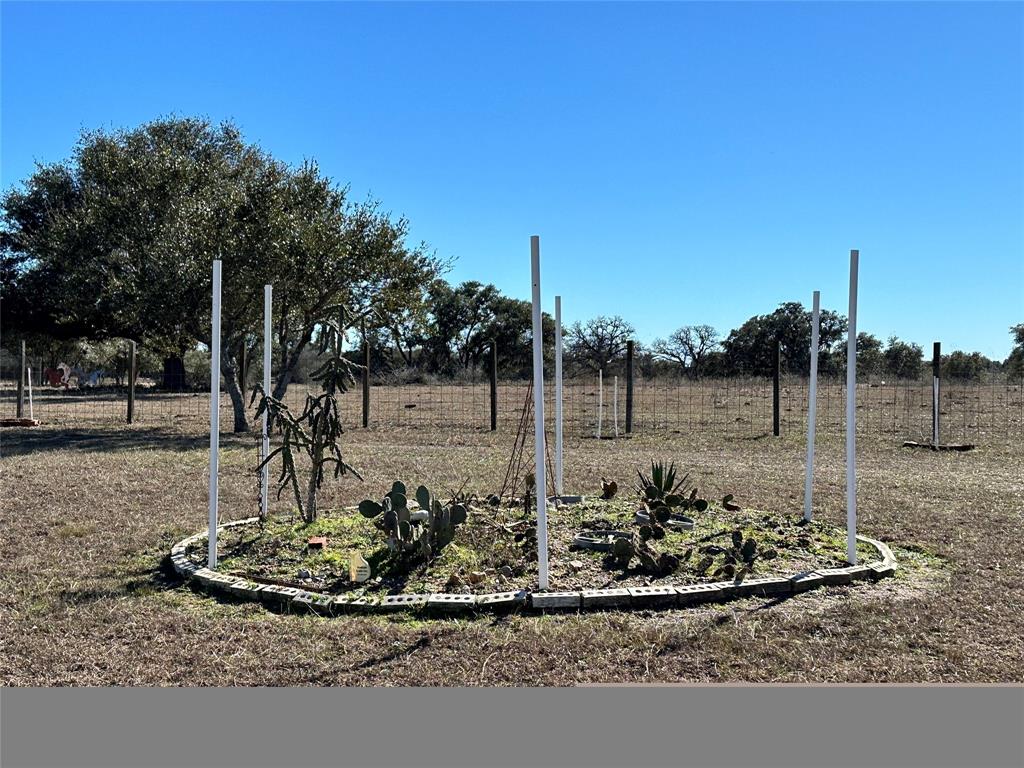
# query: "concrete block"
728 589
364 604
858 572
692 594
502 601
653 596
605 598
450 603
274 593
835 575
880 570
555 600
403 602
247 590
763 587
806 580
302 602
323 604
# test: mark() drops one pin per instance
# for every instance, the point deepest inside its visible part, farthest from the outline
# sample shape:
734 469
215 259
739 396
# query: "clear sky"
682 163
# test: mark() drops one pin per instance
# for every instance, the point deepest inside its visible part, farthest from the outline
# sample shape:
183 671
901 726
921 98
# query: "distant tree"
965 366
749 349
1015 362
596 343
688 347
903 360
511 328
870 358
463 320
457 317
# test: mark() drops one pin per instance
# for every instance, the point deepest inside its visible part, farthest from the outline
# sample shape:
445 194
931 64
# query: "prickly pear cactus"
419 539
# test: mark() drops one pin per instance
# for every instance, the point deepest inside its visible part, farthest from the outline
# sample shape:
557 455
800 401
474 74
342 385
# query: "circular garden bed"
488 560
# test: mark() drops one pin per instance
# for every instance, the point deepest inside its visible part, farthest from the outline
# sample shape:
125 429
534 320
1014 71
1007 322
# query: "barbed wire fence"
971 411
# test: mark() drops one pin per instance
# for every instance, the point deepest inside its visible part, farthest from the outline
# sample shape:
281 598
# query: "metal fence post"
131 381
629 386
366 378
494 386
776 365
21 383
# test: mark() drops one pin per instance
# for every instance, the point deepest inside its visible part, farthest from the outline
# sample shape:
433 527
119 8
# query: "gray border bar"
734 726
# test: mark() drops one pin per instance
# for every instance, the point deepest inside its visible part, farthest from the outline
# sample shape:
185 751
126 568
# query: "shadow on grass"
27 441
137 582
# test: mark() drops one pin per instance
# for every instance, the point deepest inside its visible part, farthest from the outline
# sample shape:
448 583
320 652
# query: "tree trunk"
174 373
309 514
289 361
229 369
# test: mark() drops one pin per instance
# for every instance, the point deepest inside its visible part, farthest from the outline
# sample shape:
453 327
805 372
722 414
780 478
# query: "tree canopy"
118 241
749 349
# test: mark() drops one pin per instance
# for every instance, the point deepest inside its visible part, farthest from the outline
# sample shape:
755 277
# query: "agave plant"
317 430
661 489
660 483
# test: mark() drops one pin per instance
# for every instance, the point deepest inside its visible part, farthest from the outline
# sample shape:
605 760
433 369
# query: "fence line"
971 412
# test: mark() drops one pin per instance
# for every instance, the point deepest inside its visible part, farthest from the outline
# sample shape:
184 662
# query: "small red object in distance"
317 542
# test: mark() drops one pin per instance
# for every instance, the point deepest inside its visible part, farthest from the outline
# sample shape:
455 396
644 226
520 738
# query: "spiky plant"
316 431
661 491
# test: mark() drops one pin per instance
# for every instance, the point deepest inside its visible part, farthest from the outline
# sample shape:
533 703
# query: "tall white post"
812 406
600 403
214 413
538 418
31 414
559 490
851 417
268 292
615 404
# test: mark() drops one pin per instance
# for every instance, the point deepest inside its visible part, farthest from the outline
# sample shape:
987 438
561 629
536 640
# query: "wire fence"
730 407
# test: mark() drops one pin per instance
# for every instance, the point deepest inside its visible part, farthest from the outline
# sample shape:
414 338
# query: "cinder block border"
300 601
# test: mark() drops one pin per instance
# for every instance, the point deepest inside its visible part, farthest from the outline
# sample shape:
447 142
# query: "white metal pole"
538 418
268 292
559 490
851 417
600 403
31 413
615 404
214 413
812 406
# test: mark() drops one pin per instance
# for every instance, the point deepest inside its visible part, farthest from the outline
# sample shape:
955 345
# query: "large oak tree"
118 241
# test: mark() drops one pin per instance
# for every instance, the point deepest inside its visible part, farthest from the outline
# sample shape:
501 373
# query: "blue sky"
683 163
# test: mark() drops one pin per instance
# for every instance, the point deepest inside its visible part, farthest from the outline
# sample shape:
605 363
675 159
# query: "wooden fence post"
776 365
629 386
131 381
366 378
21 383
494 386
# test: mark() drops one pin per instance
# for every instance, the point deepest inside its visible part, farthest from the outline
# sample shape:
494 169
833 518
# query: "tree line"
116 242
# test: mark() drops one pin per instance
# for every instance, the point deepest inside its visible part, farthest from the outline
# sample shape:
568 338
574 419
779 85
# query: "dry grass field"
88 514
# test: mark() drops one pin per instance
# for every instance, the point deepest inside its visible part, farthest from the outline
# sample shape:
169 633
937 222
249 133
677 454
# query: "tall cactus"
316 431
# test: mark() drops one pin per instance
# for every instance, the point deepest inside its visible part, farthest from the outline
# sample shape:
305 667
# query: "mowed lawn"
86 597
